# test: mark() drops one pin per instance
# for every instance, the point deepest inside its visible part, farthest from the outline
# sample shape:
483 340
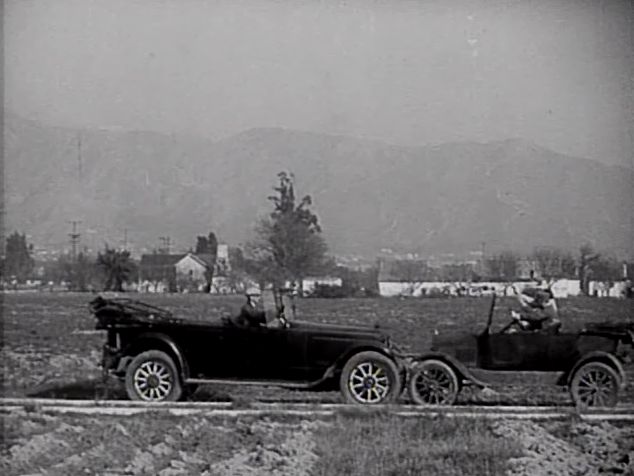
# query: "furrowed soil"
37 443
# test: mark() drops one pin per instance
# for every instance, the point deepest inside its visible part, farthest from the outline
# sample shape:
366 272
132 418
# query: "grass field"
49 349
49 342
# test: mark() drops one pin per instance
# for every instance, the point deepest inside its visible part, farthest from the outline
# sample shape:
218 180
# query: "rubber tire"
611 372
437 365
176 391
388 366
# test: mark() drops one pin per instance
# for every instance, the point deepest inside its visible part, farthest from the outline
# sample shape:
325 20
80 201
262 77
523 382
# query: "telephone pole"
74 239
165 241
79 162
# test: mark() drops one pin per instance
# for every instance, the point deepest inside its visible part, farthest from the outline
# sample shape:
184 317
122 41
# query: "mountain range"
449 198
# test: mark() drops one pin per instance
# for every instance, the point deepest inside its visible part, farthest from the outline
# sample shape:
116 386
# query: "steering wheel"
282 318
516 321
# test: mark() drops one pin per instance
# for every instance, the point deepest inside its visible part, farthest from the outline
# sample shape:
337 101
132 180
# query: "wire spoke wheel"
369 378
595 385
433 382
368 382
153 381
152 377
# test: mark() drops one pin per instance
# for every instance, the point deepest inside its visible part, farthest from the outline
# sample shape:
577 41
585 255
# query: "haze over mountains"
368 195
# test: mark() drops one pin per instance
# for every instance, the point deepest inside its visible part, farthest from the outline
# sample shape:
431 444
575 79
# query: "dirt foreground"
36 443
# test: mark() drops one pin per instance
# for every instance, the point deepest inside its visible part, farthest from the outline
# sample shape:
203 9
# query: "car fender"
598 356
461 369
163 342
363 347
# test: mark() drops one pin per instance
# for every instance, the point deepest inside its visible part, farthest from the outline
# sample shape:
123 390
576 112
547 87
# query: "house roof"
160 260
207 259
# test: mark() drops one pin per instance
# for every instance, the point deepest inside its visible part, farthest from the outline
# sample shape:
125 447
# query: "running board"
271 383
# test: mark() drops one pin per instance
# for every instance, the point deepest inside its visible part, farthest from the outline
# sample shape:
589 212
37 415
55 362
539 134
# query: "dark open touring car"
162 358
588 362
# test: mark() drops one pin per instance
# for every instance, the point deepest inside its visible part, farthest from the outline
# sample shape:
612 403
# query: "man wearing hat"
538 308
251 314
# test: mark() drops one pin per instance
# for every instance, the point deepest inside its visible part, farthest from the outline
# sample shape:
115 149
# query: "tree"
117 267
554 263
208 245
503 266
18 262
289 245
587 256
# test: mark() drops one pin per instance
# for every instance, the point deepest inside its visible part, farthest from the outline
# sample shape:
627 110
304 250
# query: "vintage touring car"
588 362
162 358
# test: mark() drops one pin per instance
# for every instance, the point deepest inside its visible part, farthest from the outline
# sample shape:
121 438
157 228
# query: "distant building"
615 289
310 284
157 272
192 272
417 278
403 277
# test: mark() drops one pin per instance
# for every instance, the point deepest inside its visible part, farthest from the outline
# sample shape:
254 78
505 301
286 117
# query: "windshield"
269 305
289 306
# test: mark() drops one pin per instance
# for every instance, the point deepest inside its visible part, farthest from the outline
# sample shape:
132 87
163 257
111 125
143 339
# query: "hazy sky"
557 72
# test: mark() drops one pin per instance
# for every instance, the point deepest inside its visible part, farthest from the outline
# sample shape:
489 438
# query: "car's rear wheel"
370 378
433 382
595 385
152 377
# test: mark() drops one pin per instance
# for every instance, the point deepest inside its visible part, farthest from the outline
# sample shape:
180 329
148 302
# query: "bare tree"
553 263
503 266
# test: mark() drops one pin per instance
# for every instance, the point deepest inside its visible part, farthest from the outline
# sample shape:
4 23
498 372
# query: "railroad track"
229 409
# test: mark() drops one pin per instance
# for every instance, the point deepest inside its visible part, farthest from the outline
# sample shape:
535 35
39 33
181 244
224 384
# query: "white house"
191 271
415 278
617 289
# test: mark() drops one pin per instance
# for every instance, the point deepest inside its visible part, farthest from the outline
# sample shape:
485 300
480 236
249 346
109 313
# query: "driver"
251 313
538 309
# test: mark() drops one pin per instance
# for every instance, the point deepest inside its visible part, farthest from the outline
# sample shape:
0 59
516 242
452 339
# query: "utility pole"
165 241
125 239
74 239
79 162
482 259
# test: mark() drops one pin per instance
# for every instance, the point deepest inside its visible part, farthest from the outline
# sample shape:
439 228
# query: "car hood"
339 328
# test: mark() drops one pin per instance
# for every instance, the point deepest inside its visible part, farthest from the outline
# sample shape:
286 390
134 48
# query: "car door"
275 353
516 351
217 352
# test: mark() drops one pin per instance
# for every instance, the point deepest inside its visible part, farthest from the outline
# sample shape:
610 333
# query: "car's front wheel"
595 385
152 377
433 382
370 378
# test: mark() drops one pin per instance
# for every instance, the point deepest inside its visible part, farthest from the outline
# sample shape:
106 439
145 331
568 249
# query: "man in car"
251 313
538 309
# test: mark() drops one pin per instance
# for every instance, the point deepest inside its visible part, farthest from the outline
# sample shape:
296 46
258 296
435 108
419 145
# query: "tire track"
316 410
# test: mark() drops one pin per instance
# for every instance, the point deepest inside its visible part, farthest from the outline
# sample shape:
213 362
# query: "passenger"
251 314
538 309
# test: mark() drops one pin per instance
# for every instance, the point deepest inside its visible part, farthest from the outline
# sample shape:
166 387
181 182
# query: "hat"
253 291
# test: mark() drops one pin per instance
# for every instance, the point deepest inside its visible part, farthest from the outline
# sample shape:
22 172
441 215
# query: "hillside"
369 195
